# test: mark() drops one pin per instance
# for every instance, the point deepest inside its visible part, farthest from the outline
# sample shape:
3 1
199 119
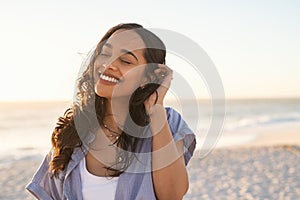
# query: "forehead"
126 39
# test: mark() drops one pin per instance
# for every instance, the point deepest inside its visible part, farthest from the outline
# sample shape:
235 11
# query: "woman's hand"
165 74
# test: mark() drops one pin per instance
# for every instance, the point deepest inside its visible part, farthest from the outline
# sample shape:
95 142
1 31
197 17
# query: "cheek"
131 83
135 73
135 78
97 61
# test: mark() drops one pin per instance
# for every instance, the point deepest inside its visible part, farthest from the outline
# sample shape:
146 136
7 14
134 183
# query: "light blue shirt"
132 184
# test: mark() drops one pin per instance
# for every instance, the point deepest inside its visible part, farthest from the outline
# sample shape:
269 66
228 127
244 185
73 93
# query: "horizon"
168 100
253 45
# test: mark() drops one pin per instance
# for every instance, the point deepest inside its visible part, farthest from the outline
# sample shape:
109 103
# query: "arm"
169 174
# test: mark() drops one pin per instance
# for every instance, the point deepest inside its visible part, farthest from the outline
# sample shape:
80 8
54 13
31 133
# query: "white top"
96 187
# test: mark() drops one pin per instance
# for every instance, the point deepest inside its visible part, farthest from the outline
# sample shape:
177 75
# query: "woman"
118 141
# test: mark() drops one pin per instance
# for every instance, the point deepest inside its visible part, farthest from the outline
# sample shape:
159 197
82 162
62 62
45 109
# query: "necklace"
112 134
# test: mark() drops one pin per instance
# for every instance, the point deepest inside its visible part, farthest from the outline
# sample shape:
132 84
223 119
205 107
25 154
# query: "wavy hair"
66 135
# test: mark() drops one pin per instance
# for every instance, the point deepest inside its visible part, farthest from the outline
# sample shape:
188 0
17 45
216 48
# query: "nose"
110 64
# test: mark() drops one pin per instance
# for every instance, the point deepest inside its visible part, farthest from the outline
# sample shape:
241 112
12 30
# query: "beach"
251 171
14 178
256 156
258 172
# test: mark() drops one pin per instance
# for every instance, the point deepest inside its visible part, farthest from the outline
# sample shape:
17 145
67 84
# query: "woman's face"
119 67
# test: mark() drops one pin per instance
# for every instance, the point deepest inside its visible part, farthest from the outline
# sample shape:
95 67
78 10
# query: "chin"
106 92
101 92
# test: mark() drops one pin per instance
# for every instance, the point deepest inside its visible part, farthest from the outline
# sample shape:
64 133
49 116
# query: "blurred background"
254 45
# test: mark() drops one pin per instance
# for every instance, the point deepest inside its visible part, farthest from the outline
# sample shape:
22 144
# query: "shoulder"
45 180
172 115
181 131
176 121
46 185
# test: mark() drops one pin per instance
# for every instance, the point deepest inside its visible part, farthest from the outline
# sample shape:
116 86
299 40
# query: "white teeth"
107 78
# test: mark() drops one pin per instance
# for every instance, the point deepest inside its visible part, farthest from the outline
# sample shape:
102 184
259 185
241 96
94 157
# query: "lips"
107 78
109 75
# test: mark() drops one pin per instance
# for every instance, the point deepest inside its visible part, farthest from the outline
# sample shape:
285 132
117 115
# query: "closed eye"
103 54
125 61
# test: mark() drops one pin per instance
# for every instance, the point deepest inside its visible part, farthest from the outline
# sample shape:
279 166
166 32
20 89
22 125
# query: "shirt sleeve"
42 184
181 131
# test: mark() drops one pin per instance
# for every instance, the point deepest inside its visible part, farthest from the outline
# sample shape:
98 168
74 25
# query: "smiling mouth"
107 78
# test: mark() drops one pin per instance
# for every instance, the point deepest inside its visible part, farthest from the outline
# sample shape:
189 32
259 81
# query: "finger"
161 71
157 70
165 69
162 66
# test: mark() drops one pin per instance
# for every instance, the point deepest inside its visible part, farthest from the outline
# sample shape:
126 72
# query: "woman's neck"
116 111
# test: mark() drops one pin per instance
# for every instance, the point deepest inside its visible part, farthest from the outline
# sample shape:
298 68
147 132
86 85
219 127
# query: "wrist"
156 109
158 118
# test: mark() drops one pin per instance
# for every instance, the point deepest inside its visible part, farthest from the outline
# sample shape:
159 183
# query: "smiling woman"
118 130
119 64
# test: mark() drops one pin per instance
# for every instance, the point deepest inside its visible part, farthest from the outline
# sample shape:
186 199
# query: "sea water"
26 127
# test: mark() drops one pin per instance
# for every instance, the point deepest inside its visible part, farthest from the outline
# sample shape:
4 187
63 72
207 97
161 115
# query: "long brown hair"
67 134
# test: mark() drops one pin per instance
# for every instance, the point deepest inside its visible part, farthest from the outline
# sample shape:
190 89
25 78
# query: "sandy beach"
265 168
270 172
14 178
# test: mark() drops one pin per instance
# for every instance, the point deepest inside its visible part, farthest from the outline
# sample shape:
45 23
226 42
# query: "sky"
255 45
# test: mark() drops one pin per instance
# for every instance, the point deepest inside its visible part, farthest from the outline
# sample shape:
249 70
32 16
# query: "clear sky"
254 44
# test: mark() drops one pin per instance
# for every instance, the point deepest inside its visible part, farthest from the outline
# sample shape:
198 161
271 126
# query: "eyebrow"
125 51
128 52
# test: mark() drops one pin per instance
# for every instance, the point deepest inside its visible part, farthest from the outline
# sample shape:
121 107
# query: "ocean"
26 127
